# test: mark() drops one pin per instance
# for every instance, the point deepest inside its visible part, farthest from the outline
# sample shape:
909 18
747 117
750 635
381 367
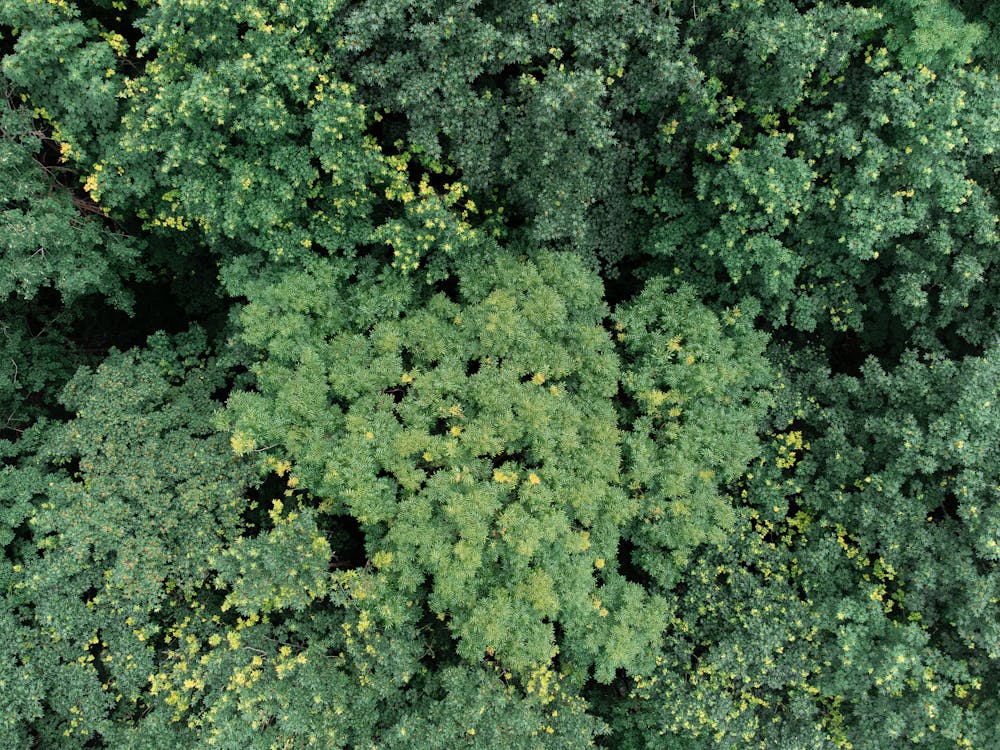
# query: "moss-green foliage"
613 373
697 388
476 441
932 32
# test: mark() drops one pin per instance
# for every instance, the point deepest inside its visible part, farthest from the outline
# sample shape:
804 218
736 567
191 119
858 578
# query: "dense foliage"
456 373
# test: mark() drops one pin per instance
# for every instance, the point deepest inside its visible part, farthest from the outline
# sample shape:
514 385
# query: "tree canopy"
431 374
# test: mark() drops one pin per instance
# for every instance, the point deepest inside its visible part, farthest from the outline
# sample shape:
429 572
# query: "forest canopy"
453 373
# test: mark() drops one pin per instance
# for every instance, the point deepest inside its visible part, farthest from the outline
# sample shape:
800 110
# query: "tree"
843 608
394 374
108 521
61 261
